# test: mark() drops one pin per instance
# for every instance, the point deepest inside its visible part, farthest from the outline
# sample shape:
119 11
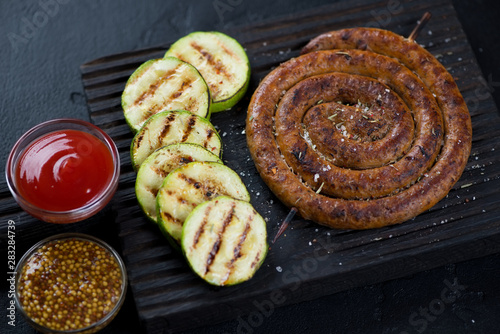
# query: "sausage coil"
364 129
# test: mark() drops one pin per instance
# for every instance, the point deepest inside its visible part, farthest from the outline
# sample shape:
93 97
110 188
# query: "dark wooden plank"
309 260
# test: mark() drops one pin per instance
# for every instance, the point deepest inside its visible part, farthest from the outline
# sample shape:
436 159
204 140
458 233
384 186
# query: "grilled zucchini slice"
224 240
164 84
189 185
170 127
158 165
222 62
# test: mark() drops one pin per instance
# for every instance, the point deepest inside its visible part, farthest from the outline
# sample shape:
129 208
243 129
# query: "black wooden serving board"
309 260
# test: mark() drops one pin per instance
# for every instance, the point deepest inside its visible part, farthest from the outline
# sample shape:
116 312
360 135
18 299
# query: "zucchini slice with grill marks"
222 62
164 84
224 240
158 165
170 127
192 184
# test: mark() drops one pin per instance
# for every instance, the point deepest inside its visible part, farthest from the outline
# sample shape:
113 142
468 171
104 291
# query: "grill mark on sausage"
217 243
299 154
424 153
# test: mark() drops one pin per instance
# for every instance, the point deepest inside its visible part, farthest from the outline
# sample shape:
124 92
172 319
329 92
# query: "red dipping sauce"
64 170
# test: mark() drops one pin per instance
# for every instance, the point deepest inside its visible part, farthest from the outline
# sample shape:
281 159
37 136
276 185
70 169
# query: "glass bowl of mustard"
70 283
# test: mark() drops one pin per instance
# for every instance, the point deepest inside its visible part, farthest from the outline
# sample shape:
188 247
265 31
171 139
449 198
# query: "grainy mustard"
69 284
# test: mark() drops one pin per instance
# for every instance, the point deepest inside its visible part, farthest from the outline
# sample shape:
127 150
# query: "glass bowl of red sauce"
63 170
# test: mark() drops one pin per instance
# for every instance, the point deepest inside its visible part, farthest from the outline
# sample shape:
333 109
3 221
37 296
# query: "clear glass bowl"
32 253
73 215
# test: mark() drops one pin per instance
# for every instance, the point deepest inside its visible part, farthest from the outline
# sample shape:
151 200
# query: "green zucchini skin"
224 241
170 127
158 165
192 184
222 62
164 84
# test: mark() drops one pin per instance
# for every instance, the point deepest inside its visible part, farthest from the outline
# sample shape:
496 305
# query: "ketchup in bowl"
63 171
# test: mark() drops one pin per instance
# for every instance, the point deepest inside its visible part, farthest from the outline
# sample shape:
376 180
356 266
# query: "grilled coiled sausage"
364 129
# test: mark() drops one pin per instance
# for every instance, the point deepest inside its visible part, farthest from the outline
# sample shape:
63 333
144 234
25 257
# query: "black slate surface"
41 81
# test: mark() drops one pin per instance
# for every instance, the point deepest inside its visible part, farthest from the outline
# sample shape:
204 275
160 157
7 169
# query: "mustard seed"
61 284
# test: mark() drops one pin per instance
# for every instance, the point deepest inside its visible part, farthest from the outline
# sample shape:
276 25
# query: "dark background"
40 80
